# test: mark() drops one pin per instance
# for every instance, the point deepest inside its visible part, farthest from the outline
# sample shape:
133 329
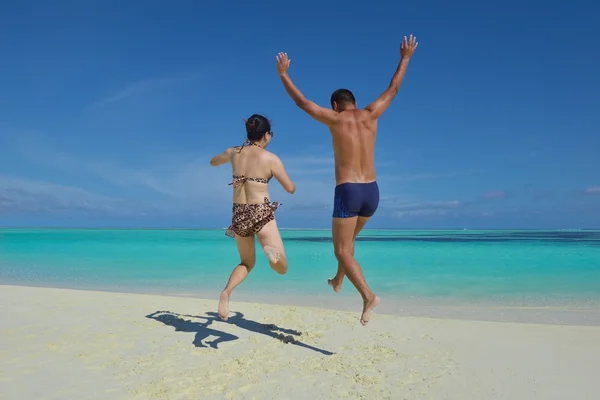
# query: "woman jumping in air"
253 212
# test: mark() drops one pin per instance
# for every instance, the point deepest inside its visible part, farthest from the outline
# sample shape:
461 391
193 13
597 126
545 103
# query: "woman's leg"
247 252
270 241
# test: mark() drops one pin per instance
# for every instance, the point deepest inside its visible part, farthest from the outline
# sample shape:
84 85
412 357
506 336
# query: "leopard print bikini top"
239 180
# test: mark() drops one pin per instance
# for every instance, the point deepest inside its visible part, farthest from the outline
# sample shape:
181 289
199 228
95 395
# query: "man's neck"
348 108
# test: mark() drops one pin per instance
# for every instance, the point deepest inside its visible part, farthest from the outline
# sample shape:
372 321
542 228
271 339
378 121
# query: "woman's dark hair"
257 126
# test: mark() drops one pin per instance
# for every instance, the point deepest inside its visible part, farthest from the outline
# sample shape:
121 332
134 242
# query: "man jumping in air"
356 192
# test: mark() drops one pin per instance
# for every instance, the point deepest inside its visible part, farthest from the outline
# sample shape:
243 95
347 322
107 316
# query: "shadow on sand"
203 329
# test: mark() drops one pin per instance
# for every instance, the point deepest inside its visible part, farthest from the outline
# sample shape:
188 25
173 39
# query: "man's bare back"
356 195
353 135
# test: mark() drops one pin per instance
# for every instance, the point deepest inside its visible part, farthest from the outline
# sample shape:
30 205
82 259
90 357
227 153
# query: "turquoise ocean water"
437 266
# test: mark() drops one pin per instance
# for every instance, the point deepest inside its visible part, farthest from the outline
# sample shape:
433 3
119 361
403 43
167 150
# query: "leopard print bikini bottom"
249 219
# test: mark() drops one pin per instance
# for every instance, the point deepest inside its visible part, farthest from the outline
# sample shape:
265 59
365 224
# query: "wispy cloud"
145 87
482 207
426 209
309 165
416 176
493 195
592 190
542 196
185 184
26 195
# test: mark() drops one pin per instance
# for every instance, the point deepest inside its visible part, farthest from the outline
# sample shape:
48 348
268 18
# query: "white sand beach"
70 344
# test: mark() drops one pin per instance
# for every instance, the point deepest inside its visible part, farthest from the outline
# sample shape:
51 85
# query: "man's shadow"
203 331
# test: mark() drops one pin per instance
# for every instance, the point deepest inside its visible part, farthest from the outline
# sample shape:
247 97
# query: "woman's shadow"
203 331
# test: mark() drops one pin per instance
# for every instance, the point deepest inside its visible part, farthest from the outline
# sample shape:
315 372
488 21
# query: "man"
356 192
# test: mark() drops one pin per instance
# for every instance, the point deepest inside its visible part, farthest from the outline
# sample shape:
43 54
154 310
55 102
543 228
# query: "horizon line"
284 229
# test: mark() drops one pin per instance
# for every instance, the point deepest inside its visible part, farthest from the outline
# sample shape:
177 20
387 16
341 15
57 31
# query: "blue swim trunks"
355 199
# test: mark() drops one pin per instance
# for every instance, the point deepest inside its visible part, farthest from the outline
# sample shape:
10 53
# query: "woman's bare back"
254 167
252 170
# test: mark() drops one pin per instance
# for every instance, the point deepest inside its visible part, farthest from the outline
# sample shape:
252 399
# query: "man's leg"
343 243
336 281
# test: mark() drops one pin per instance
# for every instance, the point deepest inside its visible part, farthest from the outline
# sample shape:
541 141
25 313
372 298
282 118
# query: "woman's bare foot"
272 254
224 306
335 285
368 306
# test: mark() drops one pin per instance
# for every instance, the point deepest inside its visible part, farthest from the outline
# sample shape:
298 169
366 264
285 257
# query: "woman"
253 213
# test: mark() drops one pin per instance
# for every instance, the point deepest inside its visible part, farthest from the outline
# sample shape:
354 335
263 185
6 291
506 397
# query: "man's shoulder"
364 113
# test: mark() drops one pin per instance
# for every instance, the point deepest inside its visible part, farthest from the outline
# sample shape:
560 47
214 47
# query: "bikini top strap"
241 179
238 181
246 144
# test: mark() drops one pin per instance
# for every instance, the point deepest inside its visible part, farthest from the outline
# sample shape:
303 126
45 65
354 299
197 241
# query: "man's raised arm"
407 48
323 115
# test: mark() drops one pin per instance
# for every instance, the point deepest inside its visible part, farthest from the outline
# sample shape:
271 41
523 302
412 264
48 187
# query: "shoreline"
573 314
87 345
303 229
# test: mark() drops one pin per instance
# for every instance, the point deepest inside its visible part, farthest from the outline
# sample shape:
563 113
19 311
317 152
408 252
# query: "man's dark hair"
343 97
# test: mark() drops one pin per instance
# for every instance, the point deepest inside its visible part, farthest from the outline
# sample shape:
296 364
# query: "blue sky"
111 110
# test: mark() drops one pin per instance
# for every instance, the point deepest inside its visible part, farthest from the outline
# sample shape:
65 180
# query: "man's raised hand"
283 63
408 46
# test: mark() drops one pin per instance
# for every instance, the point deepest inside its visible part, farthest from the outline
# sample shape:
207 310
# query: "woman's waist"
266 202
253 198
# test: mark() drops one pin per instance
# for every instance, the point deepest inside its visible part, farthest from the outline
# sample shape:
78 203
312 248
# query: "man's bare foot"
224 306
335 285
368 306
272 254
